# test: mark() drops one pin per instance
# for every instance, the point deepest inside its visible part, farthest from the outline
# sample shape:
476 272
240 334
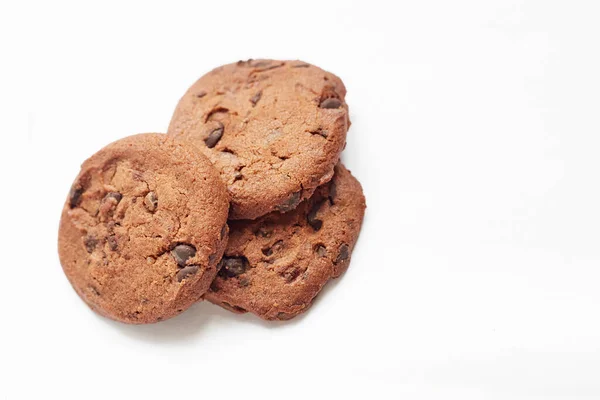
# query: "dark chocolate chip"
90 243
109 202
321 250
214 136
75 196
113 195
291 274
254 99
278 245
186 271
344 253
331 103
151 201
321 132
332 191
182 253
201 94
113 244
291 203
312 219
233 266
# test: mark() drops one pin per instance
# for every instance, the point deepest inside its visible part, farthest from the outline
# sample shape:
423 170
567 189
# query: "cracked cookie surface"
276 265
273 129
143 228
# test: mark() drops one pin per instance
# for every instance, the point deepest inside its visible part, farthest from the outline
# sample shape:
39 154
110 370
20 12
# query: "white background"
476 138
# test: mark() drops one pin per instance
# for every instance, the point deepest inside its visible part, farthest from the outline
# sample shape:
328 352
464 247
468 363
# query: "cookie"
276 265
143 228
273 129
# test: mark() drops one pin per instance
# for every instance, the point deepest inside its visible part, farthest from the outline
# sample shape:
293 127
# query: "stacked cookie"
243 202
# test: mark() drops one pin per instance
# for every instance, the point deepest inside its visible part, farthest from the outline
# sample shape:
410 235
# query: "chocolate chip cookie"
143 228
273 129
276 265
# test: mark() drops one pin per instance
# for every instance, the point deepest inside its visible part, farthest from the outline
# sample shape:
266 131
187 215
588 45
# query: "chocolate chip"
113 195
201 94
75 196
214 286
151 201
344 253
90 243
182 253
233 266
321 132
312 219
254 99
291 203
278 245
186 271
109 203
113 244
332 191
331 103
321 250
214 136
291 274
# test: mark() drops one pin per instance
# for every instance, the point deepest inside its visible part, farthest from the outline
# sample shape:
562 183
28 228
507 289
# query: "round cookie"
273 129
143 228
276 265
